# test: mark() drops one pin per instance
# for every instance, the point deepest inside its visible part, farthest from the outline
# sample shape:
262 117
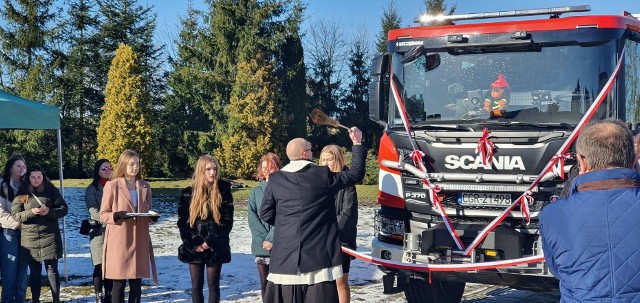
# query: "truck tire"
419 291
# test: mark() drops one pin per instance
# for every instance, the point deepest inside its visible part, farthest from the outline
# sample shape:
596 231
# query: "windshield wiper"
425 126
562 125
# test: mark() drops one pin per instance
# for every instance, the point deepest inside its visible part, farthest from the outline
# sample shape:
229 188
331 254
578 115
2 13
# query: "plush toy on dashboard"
499 97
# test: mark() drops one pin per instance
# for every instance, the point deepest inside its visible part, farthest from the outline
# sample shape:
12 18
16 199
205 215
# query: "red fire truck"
447 87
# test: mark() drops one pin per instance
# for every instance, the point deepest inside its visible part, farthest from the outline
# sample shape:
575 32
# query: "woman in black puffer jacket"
205 219
38 206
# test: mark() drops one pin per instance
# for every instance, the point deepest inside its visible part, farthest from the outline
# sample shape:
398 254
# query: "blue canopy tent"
20 113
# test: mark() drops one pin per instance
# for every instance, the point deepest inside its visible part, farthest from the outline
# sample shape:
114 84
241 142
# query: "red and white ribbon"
526 199
523 200
558 167
563 149
417 155
485 147
443 267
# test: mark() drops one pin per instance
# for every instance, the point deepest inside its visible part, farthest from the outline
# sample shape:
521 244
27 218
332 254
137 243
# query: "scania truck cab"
526 80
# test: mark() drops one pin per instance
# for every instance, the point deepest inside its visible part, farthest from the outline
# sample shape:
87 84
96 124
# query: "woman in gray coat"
93 198
262 232
38 206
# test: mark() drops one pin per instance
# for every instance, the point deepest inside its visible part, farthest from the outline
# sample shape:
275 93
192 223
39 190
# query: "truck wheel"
419 291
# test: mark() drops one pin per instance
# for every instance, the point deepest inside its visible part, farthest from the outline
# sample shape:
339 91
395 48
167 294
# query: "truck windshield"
550 85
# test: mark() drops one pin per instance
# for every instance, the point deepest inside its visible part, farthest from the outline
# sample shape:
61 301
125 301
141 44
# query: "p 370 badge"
415 195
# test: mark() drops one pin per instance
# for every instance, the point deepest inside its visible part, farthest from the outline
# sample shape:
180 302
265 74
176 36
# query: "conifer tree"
125 117
326 56
354 107
291 72
128 22
439 7
76 95
26 35
390 20
252 109
238 30
186 124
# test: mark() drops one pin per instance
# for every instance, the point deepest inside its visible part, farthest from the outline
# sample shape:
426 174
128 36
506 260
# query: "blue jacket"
590 239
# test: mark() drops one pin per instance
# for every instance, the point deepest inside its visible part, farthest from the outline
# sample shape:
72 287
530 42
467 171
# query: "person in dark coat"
38 206
299 201
332 156
589 238
93 199
205 219
262 232
14 272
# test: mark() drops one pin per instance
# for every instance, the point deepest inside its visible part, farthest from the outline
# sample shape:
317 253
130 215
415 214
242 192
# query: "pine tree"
390 20
439 7
354 106
131 23
291 75
326 53
238 30
76 96
186 125
26 36
252 109
125 116
126 21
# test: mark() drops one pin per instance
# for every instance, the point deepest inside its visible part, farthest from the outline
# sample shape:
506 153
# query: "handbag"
90 229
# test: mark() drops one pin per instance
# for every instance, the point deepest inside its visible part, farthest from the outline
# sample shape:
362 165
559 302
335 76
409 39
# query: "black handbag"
90 229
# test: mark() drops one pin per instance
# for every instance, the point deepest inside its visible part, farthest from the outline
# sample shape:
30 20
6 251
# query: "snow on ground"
239 279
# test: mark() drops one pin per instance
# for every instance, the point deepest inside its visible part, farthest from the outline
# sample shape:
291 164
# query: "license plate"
488 199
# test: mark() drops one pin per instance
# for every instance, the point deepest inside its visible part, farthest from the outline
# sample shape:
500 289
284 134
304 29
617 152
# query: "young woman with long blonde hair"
205 219
332 156
128 251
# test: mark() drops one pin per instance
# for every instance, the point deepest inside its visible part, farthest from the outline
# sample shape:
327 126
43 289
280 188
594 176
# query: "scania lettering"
471 162
480 115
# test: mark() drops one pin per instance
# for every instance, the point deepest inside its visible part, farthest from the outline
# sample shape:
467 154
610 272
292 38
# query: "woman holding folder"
127 252
38 206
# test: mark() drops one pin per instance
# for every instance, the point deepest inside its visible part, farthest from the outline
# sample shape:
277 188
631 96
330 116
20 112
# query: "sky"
358 14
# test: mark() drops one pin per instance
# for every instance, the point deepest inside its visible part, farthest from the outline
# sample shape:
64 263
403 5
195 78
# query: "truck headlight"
387 228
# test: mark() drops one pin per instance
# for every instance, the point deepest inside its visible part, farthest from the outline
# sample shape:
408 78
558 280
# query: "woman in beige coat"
127 252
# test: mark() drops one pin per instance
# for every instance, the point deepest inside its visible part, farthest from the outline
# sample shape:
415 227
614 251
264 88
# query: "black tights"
98 282
263 270
35 269
135 290
197 282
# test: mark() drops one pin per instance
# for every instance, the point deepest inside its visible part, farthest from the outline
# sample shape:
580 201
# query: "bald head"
299 149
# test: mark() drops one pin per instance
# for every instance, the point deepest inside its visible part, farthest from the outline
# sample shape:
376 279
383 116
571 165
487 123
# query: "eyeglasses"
107 168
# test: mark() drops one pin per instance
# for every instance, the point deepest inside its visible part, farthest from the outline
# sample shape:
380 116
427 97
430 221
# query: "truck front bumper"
386 251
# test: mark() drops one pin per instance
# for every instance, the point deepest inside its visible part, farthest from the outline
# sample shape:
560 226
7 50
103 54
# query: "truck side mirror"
377 96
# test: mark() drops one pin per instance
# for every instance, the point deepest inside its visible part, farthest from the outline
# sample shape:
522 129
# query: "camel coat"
127 251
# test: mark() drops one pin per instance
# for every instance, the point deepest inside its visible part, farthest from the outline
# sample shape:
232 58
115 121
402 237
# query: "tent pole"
64 223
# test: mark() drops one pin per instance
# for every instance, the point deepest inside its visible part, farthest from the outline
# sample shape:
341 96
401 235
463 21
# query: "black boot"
107 298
